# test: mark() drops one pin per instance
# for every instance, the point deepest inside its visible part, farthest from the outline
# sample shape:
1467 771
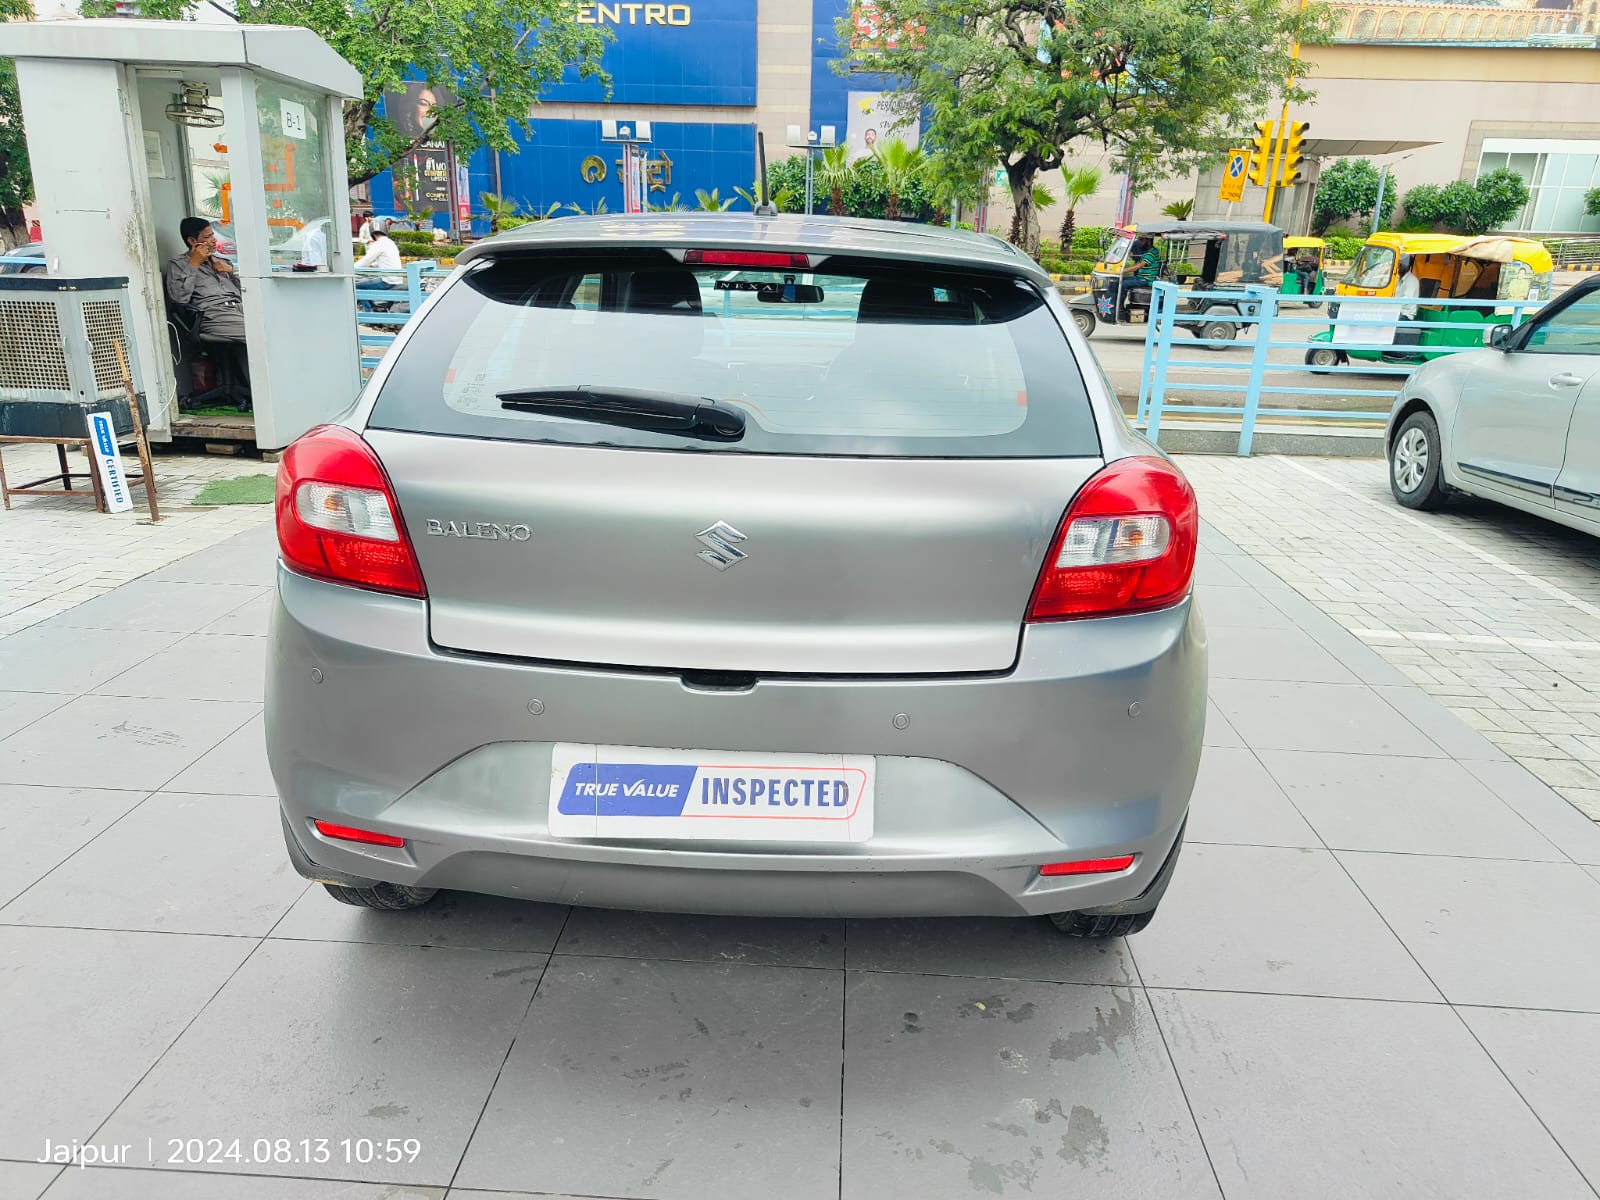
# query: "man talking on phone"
198 279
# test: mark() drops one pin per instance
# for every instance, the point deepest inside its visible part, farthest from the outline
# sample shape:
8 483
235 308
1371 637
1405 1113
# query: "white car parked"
1518 422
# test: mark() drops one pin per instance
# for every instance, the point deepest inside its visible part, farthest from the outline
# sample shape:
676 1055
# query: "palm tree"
1081 183
834 174
711 202
1180 210
498 209
901 165
752 196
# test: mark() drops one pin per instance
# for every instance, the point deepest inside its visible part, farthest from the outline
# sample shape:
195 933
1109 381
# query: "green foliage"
1161 83
675 204
711 202
832 174
1091 239
1344 248
1499 195
500 210
1349 188
1180 210
487 64
16 173
1080 184
902 166
1469 208
1591 202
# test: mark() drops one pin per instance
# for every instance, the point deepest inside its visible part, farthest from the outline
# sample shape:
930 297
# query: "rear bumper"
368 724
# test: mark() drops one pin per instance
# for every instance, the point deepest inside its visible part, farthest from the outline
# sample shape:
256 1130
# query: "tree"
16 173
901 165
1180 210
1469 208
485 65
1081 183
1160 83
1497 198
834 172
499 209
1349 188
1591 202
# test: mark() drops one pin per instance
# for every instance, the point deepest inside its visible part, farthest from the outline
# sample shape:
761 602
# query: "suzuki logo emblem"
721 543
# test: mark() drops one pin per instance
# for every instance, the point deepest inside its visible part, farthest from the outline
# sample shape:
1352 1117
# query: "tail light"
337 516
1126 545
782 260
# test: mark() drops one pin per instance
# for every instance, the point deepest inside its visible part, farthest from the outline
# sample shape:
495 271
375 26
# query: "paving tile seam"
126 813
1460 543
1562 861
488 1096
66 699
1443 1002
1172 1063
199 1011
1511 1083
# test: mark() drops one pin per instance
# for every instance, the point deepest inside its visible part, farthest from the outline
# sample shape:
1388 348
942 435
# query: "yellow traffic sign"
1233 176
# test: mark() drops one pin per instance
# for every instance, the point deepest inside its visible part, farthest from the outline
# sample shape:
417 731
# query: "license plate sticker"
709 795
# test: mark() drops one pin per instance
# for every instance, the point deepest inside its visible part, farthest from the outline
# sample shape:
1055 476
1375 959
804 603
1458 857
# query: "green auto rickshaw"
1303 260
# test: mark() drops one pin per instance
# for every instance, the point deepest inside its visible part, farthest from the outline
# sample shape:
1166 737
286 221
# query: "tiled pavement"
1494 613
1374 975
57 552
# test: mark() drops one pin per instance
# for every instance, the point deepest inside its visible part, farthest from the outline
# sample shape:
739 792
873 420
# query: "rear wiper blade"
664 412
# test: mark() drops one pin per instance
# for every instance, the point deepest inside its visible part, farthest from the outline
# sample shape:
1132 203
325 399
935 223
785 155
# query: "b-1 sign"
107 455
1233 176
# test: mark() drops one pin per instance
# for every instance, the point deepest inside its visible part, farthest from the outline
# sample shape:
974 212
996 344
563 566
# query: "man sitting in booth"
209 285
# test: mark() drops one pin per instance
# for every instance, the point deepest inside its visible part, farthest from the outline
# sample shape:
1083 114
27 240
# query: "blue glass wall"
707 57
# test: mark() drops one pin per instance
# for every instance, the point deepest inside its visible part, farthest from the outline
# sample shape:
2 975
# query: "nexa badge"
483 531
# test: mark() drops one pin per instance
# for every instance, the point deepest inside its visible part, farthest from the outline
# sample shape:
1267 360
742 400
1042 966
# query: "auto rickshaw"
1447 267
1200 255
1303 258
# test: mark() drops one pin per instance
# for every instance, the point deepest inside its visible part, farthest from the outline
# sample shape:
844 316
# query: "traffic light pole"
1280 141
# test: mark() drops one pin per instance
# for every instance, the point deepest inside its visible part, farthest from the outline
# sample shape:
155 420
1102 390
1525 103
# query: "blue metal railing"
1365 326
376 330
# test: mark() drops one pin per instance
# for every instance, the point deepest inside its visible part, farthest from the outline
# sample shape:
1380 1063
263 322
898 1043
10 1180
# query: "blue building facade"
695 71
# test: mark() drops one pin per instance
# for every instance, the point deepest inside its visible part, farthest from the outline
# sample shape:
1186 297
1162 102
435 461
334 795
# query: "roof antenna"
766 208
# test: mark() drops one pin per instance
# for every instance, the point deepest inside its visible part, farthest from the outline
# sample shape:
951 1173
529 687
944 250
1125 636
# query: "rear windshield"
858 358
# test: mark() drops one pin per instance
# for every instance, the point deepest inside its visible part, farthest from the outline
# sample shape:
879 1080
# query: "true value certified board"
107 457
709 795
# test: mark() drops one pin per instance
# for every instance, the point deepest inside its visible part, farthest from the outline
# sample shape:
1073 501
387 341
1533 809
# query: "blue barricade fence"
408 288
1362 345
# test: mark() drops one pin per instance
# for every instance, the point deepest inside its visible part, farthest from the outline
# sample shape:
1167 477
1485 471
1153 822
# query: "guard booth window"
294 164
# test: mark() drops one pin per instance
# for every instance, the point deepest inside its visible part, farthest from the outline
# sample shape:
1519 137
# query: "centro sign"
654 14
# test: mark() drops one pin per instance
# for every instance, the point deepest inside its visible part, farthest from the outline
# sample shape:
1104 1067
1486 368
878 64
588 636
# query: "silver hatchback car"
757 565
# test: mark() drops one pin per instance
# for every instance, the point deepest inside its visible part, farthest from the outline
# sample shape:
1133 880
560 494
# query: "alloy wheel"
1410 460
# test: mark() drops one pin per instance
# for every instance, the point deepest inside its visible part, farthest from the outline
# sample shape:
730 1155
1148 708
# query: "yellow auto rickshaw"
1303 259
1448 267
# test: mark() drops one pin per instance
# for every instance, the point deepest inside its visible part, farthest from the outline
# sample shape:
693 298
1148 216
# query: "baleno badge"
488 531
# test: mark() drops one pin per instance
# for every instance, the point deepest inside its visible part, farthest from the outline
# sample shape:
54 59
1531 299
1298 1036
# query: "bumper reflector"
1089 866
346 834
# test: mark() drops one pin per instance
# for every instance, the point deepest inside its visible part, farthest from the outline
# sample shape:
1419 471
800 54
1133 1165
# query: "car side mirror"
1499 336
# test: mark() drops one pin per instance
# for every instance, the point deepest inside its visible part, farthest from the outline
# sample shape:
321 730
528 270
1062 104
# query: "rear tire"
1086 925
1414 463
1219 331
1324 357
388 897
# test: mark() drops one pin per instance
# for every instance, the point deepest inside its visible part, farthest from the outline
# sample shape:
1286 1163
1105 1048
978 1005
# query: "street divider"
1356 338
